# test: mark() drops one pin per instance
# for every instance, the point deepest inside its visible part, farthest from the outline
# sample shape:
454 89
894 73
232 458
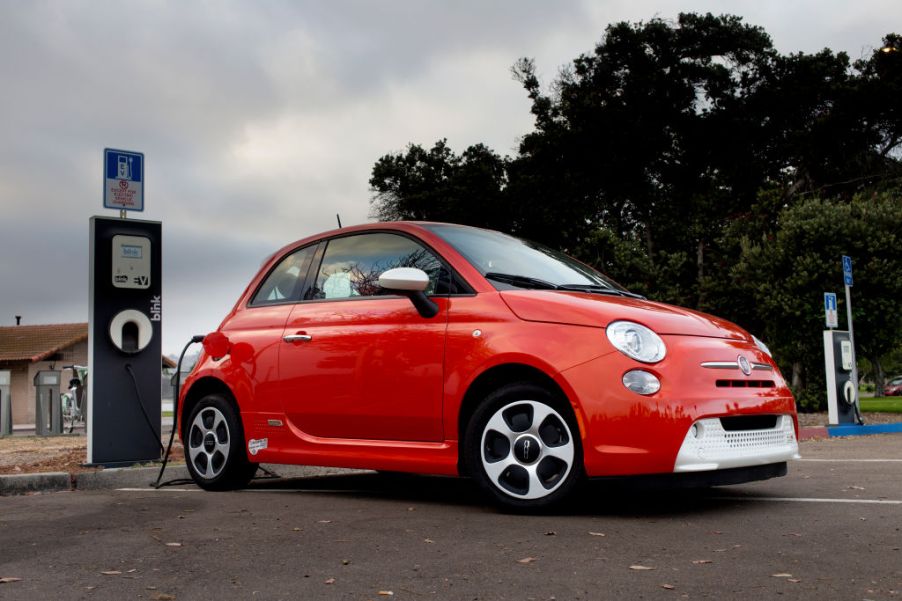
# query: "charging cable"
175 412
153 431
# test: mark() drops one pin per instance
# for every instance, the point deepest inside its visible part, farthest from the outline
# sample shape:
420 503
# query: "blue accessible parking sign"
847 269
123 180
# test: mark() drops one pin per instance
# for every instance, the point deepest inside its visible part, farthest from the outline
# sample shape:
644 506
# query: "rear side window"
283 284
352 265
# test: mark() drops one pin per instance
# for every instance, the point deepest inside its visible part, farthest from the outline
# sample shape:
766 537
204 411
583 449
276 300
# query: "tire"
523 448
214 446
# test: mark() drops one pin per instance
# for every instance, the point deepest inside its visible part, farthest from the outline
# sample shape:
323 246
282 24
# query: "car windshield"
895 381
509 262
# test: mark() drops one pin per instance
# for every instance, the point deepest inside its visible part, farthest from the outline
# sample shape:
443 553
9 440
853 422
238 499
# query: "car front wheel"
214 446
522 446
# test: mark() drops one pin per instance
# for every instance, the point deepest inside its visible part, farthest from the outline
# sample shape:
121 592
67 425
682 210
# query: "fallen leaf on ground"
782 575
550 533
296 529
428 540
132 571
173 544
324 522
596 533
526 560
700 561
111 573
793 580
669 587
8 579
385 593
164 597
330 581
639 568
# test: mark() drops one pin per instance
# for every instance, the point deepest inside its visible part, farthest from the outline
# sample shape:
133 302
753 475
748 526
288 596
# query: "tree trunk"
796 376
879 376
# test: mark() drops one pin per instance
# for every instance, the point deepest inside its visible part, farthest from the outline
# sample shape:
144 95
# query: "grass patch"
890 404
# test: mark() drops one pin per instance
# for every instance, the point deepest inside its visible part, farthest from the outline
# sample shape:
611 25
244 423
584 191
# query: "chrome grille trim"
735 365
720 365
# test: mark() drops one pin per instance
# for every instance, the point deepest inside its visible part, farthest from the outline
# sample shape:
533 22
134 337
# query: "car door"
255 331
357 363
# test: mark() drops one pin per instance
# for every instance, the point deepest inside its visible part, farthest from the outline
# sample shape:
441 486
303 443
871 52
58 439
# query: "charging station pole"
125 332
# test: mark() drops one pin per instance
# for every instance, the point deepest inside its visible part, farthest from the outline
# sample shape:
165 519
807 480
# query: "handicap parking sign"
123 180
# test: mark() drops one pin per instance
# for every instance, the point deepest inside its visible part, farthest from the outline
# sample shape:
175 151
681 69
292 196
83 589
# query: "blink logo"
156 308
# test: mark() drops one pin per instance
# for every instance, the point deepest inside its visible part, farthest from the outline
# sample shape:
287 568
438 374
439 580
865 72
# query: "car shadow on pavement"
595 497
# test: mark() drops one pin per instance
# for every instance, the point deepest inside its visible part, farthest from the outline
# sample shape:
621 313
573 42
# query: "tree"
785 274
438 185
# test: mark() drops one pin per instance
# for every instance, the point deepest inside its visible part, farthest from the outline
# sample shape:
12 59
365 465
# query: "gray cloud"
261 120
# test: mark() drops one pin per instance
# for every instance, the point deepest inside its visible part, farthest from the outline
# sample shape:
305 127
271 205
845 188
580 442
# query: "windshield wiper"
593 289
521 281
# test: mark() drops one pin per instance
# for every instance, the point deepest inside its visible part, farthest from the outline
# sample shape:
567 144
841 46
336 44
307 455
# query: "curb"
822 432
20 484
137 477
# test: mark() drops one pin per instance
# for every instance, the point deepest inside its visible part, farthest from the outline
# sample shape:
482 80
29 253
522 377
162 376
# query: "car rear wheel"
214 446
523 447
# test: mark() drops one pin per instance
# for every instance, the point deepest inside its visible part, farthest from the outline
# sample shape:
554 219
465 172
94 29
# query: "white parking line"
164 489
853 460
811 500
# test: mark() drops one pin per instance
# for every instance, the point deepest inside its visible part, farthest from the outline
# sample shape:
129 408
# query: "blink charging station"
125 322
841 393
839 359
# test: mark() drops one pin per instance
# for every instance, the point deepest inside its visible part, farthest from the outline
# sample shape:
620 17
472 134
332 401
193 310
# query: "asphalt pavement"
829 530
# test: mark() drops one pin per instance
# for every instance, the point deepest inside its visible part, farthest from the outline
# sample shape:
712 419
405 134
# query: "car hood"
595 310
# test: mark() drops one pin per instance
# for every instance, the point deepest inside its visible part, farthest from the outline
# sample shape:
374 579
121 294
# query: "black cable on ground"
175 415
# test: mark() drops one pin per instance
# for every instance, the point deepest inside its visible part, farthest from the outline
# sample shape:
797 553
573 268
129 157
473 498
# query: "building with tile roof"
28 349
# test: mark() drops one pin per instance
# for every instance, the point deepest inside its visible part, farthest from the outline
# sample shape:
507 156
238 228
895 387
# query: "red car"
443 349
893 387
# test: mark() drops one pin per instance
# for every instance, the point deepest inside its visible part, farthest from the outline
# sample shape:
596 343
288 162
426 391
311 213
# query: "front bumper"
708 446
625 434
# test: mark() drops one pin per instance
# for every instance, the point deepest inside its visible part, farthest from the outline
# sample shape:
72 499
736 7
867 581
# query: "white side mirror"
407 279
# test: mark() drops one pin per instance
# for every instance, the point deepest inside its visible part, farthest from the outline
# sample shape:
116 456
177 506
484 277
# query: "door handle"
297 338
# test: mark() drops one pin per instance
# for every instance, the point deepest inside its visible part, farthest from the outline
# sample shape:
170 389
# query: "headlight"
762 346
636 341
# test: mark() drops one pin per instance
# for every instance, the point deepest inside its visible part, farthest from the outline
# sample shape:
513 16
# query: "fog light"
641 382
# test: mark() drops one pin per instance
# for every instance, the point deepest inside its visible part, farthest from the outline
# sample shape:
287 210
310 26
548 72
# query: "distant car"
442 349
893 387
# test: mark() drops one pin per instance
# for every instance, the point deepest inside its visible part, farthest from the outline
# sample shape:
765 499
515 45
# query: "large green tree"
782 275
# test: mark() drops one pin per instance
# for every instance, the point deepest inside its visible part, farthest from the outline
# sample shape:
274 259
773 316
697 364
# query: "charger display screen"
131 252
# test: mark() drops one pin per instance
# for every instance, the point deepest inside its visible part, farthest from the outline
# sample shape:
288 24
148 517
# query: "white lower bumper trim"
708 446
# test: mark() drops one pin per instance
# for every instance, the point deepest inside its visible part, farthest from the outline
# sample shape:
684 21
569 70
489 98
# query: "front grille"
745 383
748 422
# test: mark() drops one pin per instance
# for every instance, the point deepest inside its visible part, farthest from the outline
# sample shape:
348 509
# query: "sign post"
123 180
847 279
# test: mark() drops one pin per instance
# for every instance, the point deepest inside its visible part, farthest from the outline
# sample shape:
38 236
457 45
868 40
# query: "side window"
284 282
352 265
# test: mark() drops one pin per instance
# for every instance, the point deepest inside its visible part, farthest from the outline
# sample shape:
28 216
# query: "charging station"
124 341
48 410
842 397
6 406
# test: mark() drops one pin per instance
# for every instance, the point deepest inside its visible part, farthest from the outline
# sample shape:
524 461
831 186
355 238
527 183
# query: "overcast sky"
261 120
